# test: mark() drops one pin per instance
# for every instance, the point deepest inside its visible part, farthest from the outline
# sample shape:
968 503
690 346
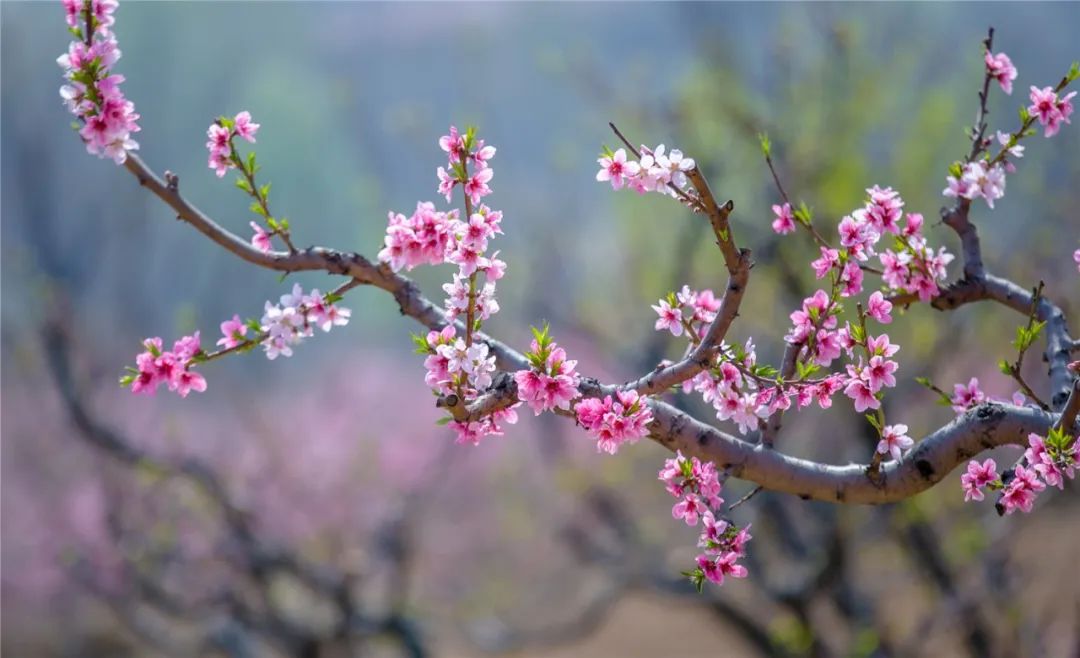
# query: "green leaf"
872 418
421 343
766 371
1036 329
445 420
1024 116
805 370
127 380
284 222
242 183
273 223
251 162
956 170
257 208
766 145
253 324
1074 72
607 152
1058 439
1004 367
804 214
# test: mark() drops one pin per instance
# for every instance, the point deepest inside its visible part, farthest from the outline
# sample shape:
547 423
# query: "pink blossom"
552 382
827 347
712 530
218 141
1021 492
879 373
245 127
187 347
1001 68
616 169
1050 110
965 397
883 210
880 346
453 144
830 258
826 389
1076 258
861 393
221 163
852 232
716 568
977 477
446 183
613 422
1044 108
851 277
986 183
233 332
879 308
670 318
689 509
261 239
187 381
706 305
108 118
425 237
325 315
785 219
894 441
477 185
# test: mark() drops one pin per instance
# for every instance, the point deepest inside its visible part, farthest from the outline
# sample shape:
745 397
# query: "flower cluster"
688 310
732 387
219 142
456 364
1050 110
613 422
985 178
551 383
423 238
156 366
431 237
976 180
286 324
913 266
93 93
1047 461
697 486
461 151
657 170
455 368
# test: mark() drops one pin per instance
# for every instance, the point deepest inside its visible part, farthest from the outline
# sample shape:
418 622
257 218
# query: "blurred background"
311 507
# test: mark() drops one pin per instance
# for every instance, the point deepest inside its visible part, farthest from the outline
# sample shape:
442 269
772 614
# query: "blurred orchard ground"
336 455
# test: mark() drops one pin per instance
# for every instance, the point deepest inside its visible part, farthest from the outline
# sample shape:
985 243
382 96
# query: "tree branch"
988 426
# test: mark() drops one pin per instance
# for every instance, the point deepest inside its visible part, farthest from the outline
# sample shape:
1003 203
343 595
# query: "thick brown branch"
985 427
